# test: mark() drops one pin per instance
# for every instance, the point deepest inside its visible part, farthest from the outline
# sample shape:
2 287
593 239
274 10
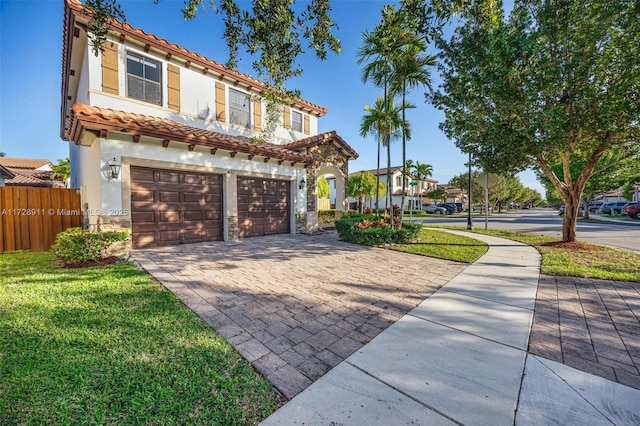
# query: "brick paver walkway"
592 325
296 305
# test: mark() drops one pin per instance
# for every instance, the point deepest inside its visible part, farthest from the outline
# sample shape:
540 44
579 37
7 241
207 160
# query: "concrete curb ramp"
460 358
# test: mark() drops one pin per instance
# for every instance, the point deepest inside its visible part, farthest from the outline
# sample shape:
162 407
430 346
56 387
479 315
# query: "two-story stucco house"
414 197
177 128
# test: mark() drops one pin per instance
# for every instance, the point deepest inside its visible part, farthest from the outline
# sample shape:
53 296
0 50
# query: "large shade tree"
558 82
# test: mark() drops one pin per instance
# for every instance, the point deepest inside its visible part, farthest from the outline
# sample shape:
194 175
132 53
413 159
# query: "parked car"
451 209
432 208
459 206
613 208
593 207
632 210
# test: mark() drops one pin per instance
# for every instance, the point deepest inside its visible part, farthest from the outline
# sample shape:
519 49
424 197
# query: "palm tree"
373 123
423 170
410 69
378 48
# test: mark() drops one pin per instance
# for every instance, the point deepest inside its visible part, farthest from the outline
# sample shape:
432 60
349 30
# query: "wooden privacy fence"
30 218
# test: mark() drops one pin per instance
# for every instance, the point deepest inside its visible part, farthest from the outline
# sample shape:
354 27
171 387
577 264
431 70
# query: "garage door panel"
141 194
142 217
140 175
169 196
167 176
180 213
263 206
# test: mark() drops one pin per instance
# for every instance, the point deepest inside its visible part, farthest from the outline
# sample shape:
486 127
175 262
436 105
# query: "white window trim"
229 108
161 67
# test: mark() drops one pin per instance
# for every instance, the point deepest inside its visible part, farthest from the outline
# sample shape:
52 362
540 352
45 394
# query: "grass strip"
109 345
578 259
443 245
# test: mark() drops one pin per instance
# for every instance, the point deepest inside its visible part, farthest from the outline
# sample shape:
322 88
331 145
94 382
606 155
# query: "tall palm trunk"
378 179
404 152
388 138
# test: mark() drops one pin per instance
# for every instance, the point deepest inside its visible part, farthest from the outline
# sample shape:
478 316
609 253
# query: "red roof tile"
89 117
23 163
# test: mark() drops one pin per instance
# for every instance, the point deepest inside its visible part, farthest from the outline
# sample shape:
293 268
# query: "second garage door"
174 207
263 207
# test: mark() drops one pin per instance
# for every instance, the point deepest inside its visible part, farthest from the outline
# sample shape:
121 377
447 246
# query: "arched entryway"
337 188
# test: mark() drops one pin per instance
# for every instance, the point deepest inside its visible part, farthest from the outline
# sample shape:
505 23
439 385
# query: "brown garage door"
174 207
263 207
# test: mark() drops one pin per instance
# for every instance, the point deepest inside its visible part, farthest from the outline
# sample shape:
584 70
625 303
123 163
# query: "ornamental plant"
76 246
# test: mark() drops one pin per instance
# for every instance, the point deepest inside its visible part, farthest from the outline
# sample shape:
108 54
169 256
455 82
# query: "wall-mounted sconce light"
302 183
113 171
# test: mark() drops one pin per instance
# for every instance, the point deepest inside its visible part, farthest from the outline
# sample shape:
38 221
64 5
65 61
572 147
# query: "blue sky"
30 69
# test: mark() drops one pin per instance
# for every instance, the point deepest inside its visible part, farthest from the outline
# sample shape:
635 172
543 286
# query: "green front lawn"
578 259
444 245
107 345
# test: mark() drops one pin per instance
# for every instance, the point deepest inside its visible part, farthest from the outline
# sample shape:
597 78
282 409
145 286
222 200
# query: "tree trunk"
570 216
389 178
404 157
378 180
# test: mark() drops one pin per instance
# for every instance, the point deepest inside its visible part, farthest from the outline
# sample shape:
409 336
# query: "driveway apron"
295 306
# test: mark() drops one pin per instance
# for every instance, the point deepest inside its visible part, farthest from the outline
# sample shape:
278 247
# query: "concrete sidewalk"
460 358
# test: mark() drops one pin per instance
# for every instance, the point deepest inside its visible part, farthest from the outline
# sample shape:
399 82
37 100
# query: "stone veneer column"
301 223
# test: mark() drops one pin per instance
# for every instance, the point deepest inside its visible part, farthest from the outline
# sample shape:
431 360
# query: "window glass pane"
152 71
296 121
135 87
152 92
238 99
134 66
239 108
144 77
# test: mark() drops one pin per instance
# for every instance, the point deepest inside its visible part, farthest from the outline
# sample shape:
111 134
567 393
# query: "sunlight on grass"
585 260
444 245
109 345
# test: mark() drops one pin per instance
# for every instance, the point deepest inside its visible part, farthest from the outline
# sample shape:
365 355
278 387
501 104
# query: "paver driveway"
296 305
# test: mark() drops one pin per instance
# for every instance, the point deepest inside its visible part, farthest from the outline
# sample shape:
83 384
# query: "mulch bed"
571 245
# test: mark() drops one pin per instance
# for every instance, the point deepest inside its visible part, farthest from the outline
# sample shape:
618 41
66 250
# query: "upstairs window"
296 121
239 107
398 180
144 78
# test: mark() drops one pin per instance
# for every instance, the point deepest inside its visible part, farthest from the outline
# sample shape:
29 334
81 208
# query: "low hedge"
76 246
349 230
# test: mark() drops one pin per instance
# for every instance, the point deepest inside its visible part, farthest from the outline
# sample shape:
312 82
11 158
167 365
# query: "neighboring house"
420 190
180 130
454 195
27 172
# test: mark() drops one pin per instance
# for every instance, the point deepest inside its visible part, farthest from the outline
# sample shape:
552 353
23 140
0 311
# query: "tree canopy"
535 90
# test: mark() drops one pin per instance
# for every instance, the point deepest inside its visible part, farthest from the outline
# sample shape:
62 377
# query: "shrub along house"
162 143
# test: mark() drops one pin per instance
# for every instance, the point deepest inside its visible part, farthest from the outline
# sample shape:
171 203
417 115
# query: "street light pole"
469 223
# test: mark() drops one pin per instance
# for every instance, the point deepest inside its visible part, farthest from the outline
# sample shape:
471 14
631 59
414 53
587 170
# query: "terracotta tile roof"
30 177
95 118
74 10
23 163
328 137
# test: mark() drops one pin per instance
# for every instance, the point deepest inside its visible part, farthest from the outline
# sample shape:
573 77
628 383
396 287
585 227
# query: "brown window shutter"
220 103
110 68
287 118
174 87
257 115
306 125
